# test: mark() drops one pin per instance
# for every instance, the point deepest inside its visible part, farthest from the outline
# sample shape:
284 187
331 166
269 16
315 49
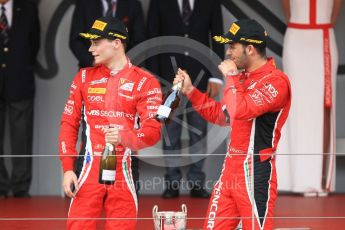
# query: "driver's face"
237 53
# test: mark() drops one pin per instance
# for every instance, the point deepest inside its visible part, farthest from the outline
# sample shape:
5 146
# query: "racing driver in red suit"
255 104
108 97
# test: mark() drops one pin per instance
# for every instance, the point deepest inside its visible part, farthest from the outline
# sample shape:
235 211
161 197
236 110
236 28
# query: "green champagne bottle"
107 167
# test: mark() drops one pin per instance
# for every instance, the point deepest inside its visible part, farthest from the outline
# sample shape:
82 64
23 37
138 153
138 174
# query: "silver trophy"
170 220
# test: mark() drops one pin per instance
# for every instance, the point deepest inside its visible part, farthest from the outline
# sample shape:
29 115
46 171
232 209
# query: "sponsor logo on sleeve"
152 115
73 88
270 88
153 100
63 147
139 135
152 107
141 83
257 97
269 91
68 109
154 91
71 102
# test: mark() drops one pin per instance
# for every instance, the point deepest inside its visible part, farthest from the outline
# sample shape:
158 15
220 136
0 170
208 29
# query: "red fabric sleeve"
269 94
70 123
208 108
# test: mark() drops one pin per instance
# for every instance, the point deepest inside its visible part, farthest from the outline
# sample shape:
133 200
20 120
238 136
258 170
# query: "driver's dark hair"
259 48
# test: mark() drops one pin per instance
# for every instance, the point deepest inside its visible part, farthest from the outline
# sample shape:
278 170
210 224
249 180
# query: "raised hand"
182 76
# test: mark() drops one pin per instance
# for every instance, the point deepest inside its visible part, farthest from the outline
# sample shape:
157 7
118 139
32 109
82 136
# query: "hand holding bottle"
112 135
182 76
171 100
70 181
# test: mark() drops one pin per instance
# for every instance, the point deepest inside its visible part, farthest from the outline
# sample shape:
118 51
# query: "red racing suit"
257 104
103 99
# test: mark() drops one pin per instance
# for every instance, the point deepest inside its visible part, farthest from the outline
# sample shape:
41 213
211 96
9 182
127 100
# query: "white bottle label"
108 175
164 111
177 86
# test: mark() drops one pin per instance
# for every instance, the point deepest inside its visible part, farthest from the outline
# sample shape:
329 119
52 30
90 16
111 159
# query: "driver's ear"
250 49
116 42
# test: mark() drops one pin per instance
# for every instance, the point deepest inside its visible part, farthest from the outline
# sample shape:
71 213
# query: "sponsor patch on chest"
251 86
126 84
96 90
99 81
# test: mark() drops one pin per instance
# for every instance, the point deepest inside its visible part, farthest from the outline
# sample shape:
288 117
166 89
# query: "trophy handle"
184 208
154 210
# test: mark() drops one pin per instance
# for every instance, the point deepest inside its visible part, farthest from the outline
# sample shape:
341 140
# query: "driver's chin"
96 61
